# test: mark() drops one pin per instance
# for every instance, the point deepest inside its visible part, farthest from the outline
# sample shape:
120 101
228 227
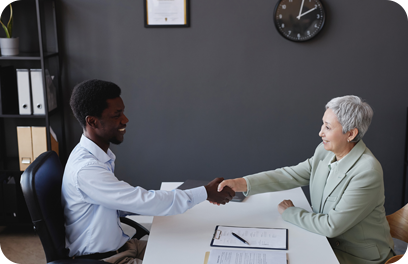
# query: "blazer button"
337 243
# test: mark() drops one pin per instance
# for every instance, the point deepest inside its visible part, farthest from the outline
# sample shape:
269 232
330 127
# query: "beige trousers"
133 253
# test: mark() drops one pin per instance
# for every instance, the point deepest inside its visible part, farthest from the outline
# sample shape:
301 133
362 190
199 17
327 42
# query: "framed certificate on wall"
167 13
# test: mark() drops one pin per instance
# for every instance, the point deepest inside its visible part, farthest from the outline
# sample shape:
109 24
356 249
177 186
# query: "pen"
240 238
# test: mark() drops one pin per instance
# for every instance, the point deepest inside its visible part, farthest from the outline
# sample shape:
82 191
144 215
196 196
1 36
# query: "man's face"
113 121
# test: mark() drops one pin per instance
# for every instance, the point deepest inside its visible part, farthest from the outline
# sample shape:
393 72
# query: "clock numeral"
298 35
283 25
318 16
316 26
308 32
283 6
280 16
289 32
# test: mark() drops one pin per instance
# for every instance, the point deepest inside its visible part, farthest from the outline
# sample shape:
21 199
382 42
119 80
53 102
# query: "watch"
299 20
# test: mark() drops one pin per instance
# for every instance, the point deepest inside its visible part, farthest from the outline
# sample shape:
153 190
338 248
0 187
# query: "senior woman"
346 187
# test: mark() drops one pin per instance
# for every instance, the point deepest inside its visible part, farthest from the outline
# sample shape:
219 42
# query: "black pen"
240 238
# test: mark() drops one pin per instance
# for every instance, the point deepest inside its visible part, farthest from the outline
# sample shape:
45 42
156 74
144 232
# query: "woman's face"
332 135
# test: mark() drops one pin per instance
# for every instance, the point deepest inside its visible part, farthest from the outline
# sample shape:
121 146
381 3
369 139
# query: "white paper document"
166 12
219 256
262 238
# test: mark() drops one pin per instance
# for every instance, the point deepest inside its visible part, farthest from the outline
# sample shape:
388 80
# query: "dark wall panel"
229 96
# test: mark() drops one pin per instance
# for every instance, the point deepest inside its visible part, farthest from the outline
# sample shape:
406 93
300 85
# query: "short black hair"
89 98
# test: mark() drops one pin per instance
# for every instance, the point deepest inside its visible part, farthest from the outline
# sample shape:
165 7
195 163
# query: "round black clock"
299 20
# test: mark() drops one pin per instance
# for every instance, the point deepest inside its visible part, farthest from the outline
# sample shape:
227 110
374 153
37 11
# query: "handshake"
216 196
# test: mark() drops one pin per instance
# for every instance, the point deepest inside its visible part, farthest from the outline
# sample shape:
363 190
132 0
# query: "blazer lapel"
318 183
341 171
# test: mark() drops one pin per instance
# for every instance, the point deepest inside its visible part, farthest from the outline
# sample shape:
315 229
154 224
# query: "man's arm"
99 186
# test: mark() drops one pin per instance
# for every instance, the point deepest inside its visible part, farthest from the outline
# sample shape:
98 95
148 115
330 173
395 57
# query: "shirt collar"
334 162
96 150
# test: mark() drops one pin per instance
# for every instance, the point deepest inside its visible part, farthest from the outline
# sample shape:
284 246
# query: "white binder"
37 89
24 95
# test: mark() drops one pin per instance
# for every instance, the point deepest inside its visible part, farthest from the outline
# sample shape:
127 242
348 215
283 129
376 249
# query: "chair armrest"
141 231
394 259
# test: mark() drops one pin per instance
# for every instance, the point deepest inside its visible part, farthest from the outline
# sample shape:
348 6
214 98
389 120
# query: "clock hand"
300 15
301 8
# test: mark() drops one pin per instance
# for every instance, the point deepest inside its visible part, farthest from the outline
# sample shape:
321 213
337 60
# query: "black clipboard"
218 233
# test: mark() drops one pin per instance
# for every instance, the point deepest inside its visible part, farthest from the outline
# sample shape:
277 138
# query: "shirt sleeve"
98 185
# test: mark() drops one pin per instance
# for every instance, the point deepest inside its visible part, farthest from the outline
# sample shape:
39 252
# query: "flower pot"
9 46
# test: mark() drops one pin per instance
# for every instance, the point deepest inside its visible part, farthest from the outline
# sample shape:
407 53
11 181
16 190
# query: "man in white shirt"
94 199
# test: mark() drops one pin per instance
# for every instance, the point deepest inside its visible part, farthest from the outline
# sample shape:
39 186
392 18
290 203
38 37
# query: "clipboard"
258 237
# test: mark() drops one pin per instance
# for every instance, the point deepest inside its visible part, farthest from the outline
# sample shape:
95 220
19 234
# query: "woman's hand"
285 204
237 185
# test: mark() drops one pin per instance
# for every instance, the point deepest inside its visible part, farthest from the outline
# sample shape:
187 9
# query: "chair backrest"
398 222
41 185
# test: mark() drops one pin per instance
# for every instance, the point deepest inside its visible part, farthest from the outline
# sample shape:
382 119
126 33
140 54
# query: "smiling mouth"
122 129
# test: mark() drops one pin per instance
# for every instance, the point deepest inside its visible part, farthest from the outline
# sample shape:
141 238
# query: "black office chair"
41 185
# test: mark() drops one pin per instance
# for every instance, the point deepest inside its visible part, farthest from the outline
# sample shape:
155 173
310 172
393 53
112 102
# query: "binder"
39 140
54 141
24 95
32 141
37 87
8 91
25 147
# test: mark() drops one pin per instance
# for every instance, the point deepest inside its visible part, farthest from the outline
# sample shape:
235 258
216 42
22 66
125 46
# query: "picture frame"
166 13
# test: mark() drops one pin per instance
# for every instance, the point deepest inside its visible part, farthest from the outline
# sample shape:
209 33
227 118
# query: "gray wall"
229 96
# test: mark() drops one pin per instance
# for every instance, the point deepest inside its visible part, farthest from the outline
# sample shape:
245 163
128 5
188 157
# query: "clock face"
299 20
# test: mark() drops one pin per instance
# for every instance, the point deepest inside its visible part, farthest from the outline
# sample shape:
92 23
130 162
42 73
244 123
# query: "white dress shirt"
93 200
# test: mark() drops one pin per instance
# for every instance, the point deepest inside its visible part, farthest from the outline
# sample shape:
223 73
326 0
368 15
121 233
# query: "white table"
184 238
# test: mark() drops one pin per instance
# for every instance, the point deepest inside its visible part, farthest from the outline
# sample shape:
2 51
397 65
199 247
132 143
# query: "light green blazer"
351 215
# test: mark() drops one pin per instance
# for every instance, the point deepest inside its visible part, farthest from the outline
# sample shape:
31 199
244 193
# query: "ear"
92 122
352 134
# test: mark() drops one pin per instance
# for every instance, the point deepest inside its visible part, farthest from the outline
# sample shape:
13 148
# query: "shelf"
22 116
51 113
45 55
29 56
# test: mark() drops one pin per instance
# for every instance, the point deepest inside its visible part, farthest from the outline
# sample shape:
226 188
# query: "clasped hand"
216 197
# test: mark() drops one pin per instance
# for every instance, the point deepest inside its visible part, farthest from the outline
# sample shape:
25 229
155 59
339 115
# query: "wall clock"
299 20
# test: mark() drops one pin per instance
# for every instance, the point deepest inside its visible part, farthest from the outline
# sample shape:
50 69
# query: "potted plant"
9 45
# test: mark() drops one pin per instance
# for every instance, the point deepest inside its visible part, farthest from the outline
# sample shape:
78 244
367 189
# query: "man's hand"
285 204
216 197
237 185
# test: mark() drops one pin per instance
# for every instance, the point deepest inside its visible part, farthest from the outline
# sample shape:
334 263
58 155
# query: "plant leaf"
10 23
5 29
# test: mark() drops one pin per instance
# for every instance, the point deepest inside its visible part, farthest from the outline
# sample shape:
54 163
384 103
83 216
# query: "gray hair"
352 113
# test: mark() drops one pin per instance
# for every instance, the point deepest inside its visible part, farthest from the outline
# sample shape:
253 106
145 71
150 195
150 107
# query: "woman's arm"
359 199
274 180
